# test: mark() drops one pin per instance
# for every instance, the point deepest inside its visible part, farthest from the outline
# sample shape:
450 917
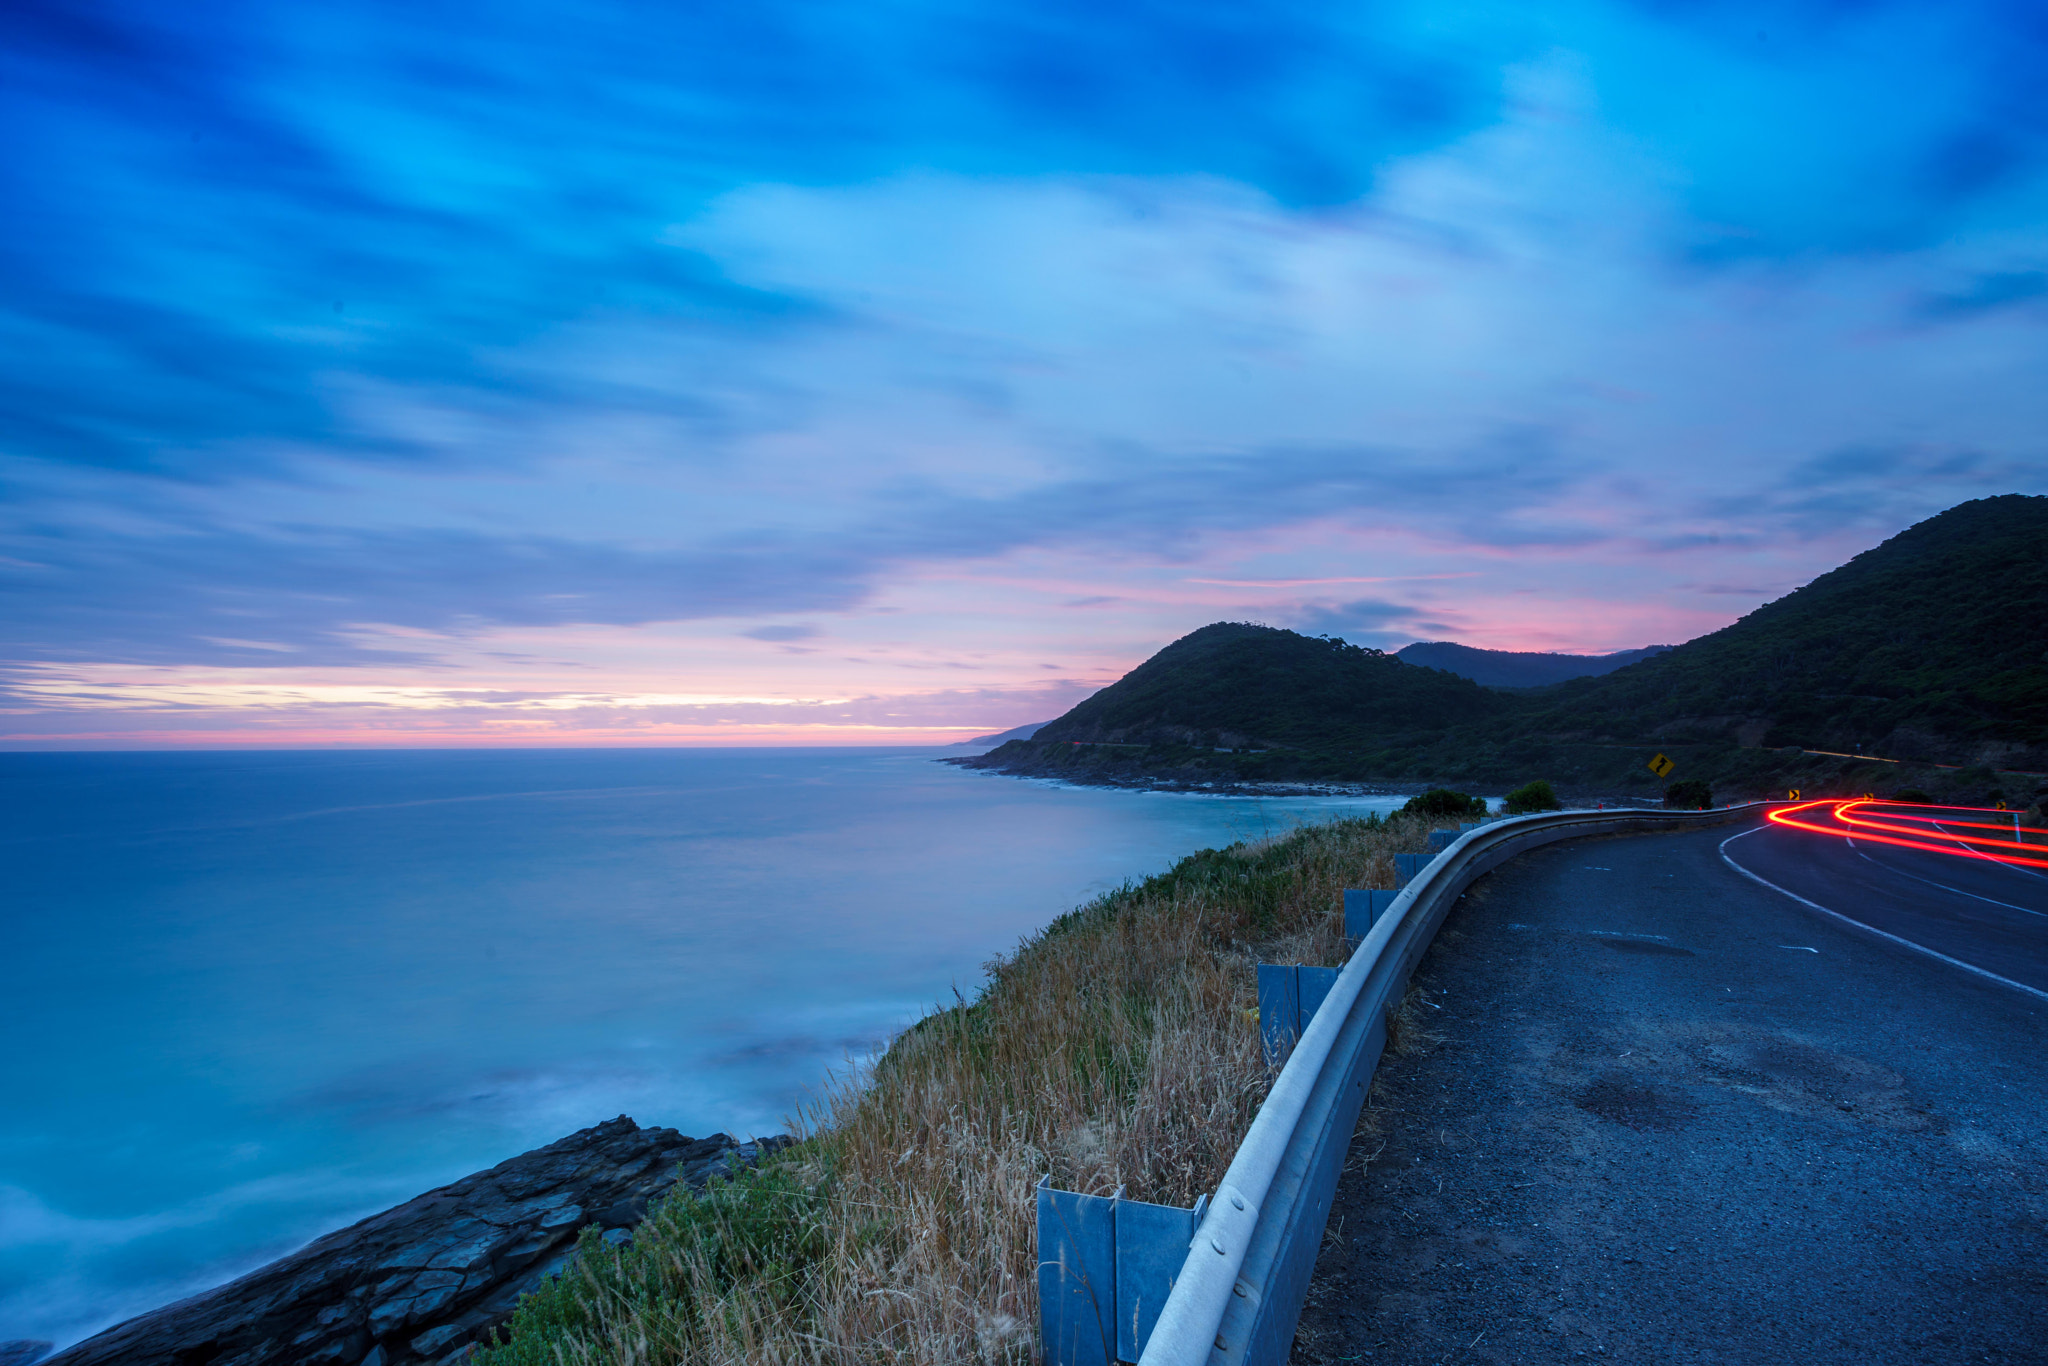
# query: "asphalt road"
1988 915
1673 1115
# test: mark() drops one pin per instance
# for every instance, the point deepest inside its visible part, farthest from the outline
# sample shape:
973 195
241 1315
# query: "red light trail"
1878 822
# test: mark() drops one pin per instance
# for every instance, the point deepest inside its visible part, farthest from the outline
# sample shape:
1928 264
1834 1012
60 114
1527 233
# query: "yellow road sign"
1793 795
1662 766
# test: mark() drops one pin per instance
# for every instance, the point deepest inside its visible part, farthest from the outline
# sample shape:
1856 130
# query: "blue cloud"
242 236
205 589
195 198
1366 621
222 597
1987 293
221 211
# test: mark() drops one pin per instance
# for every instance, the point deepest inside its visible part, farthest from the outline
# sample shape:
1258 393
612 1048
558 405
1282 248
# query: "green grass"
762 1234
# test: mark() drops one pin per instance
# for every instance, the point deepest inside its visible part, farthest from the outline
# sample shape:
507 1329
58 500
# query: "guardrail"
1222 1284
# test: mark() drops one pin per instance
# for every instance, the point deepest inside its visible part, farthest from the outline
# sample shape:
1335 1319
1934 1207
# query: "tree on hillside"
1692 794
1532 796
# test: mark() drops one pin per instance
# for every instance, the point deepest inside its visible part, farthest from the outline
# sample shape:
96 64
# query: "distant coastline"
1228 787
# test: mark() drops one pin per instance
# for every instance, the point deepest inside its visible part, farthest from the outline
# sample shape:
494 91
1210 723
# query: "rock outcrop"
423 1282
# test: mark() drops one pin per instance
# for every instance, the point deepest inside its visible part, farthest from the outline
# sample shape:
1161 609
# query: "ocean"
248 998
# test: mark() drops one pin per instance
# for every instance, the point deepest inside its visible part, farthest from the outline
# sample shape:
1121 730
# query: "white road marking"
1980 854
1798 948
1872 929
1943 885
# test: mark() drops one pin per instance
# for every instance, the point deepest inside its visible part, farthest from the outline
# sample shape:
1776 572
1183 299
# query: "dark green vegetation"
1442 802
1516 668
1236 686
1689 794
1536 795
1930 650
1928 647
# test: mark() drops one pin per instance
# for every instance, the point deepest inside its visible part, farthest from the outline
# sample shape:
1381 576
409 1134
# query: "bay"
250 997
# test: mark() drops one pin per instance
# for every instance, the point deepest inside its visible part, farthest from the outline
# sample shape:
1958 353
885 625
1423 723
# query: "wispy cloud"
358 348
1317 583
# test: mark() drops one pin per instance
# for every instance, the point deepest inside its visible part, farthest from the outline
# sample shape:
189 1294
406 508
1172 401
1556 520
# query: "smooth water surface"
248 998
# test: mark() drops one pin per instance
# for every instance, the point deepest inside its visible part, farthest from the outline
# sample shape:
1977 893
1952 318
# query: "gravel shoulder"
1655 1112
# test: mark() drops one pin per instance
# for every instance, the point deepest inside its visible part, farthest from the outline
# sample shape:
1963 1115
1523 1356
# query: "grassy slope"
1118 1046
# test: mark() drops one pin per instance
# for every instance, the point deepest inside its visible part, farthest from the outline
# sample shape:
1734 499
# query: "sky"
610 373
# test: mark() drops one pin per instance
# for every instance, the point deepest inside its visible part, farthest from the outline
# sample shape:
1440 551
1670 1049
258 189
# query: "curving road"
1956 883
1665 1112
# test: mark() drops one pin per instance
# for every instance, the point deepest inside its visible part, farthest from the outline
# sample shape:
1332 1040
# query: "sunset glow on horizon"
391 376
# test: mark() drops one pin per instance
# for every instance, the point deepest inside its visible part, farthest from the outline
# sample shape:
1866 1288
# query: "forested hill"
1235 685
1517 668
1933 645
1931 648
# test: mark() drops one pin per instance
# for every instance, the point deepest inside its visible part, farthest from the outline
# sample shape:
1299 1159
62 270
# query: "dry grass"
1409 1031
1117 1047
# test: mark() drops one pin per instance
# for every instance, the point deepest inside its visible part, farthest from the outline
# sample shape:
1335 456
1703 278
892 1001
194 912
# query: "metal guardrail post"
1105 1268
1362 908
1077 1276
1289 996
1313 987
1151 1246
1279 1010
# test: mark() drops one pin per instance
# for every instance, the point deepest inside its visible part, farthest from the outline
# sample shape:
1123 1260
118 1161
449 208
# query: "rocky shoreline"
1142 782
1576 797
428 1280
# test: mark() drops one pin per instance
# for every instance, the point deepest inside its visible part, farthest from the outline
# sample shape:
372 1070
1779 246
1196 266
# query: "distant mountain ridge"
1024 732
1517 668
1931 648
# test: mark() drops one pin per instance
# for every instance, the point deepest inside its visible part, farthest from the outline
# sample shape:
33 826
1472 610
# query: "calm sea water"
248 998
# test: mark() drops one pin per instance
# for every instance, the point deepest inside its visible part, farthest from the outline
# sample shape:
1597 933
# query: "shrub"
1913 795
1692 794
1441 801
1535 796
